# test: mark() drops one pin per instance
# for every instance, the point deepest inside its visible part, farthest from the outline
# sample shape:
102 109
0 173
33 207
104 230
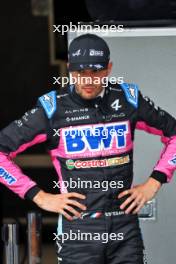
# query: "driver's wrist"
38 198
154 184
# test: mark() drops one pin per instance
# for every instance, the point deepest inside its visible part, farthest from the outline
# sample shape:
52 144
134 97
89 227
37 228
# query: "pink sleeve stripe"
165 164
38 139
168 153
11 175
57 166
152 130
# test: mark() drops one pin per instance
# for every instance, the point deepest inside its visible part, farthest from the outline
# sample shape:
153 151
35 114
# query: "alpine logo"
7 176
77 53
48 102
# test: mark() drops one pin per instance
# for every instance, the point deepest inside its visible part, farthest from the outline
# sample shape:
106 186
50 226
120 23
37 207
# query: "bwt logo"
95 137
173 160
7 177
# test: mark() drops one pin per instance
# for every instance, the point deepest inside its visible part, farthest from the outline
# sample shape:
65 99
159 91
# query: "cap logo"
93 52
77 53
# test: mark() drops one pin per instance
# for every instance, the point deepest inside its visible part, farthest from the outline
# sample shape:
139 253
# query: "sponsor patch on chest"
95 140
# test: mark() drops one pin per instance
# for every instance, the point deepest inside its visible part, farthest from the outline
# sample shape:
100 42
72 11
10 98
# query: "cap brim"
94 66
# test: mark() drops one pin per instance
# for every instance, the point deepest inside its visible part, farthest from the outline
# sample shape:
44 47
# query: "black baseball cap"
88 51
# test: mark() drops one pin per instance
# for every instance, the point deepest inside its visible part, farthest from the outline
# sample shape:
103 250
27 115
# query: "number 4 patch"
116 105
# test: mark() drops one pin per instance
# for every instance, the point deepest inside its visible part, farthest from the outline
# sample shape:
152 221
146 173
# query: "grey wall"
150 62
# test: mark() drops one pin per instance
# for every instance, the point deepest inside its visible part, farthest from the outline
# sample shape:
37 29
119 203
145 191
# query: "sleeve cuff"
159 176
32 192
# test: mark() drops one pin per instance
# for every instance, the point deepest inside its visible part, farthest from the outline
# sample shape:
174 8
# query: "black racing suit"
91 145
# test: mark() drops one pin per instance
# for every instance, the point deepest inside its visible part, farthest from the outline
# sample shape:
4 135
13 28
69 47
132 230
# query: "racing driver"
88 128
